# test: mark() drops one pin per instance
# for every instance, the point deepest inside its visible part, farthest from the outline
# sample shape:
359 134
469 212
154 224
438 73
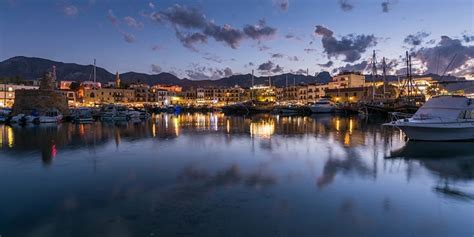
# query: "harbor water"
216 175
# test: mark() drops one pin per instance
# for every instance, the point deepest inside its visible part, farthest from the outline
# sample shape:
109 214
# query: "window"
468 114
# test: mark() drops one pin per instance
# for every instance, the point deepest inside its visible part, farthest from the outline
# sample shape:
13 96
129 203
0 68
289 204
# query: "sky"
211 39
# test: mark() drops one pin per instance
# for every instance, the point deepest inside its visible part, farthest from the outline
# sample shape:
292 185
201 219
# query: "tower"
117 80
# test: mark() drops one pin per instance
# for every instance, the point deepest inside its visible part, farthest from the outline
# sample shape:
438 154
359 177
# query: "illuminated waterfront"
210 174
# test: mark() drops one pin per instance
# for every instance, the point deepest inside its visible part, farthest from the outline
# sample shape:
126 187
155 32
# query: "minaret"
117 80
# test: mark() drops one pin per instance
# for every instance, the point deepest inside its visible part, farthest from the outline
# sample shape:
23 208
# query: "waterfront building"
71 97
108 95
65 85
349 95
91 85
347 80
7 93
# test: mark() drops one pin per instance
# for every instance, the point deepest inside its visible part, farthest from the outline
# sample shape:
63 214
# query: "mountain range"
32 68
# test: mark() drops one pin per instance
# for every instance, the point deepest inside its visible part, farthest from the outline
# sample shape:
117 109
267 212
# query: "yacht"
442 118
114 113
51 116
4 114
323 105
82 115
18 118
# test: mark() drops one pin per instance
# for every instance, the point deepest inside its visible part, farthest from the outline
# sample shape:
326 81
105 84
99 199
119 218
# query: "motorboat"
19 118
4 114
323 105
82 115
442 118
51 116
114 112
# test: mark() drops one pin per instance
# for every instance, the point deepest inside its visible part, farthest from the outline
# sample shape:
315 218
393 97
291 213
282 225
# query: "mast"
95 76
252 78
4 92
384 71
374 74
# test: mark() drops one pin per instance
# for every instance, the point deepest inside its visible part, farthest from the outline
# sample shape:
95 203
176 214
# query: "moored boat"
323 105
443 118
82 115
114 112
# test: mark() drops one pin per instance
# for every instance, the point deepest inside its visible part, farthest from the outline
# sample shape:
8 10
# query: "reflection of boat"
290 109
422 149
443 118
114 113
323 105
51 116
83 115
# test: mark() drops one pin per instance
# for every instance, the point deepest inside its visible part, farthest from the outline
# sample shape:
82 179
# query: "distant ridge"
32 68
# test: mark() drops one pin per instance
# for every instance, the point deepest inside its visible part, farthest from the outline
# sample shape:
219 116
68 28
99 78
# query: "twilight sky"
210 39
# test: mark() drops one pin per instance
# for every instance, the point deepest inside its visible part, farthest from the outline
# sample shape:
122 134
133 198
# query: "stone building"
43 99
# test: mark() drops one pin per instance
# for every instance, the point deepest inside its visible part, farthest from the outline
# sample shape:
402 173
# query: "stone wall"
27 101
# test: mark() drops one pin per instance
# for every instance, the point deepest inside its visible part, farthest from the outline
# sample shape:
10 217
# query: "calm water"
213 175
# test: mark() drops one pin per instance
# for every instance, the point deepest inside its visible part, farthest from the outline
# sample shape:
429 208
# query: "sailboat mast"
374 74
95 75
384 71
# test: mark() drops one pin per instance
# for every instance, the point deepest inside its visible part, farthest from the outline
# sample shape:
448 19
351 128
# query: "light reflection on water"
210 174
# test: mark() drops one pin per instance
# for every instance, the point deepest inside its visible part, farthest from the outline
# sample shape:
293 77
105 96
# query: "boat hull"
438 133
320 109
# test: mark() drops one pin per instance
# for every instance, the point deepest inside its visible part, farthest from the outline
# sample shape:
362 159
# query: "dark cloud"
282 4
300 72
189 40
277 55
416 39
192 19
112 18
385 6
351 46
207 73
437 58
277 69
293 58
309 50
155 68
259 31
345 5
129 38
132 22
213 58
328 64
263 48
358 67
468 38
156 47
267 66
228 72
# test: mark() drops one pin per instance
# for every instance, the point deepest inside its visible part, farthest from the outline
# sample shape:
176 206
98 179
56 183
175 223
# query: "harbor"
310 171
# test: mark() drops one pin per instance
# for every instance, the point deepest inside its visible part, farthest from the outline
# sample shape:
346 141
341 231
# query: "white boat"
82 115
114 113
4 114
443 118
17 118
133 114
51 116
323 106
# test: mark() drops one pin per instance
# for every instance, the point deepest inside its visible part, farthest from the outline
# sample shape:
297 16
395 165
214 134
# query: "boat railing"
394 116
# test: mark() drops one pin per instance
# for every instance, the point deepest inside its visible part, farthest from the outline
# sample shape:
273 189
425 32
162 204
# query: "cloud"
269 67
129 38
130 21
385 6
228 72
155 68
293 58
281 4
156 47
277 55
189 40
112 18
345 5
213 58
328 64
416 39
358 67
263 48
468 38
292 36
208 73
309 50
260 30
300 72
350 46
436 59
70 10
151 5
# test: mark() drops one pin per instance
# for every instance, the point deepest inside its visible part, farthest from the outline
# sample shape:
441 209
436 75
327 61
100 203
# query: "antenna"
450 63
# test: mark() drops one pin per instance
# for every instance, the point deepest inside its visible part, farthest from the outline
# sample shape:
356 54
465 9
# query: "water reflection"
214 175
